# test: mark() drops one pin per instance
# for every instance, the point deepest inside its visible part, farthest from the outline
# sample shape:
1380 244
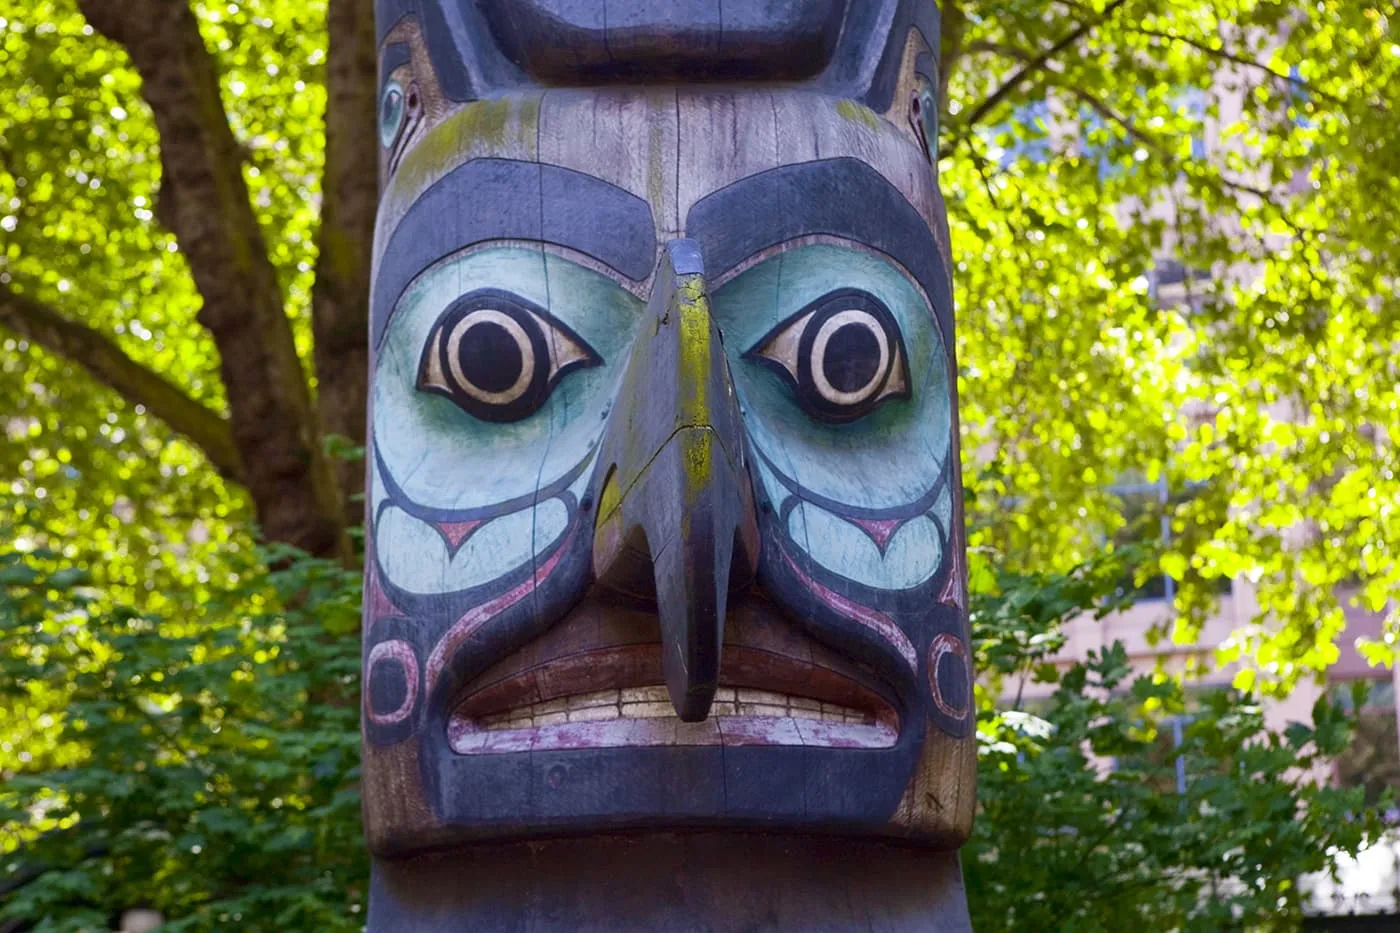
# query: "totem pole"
665 606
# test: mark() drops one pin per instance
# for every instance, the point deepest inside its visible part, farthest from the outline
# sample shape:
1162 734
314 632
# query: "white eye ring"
818 358
517 333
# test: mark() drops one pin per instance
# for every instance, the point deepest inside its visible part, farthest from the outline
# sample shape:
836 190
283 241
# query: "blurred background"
1173 228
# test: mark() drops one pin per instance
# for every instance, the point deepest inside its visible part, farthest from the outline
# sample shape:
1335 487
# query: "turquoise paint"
943 508
391 109
911 557
415 557
443 458
893 455
776 491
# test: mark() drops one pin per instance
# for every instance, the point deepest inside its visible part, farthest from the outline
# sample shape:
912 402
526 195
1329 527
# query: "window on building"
1146 522
1173 284
1372 760
1147 509
1174 769
1193 101
1299 101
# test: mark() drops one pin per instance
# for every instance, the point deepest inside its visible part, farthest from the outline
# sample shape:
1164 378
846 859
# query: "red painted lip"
605 645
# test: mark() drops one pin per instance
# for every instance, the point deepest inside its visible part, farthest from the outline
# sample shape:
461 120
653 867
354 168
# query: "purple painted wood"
677 884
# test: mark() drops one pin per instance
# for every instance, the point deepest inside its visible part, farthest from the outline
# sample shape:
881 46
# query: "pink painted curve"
478 616
879 623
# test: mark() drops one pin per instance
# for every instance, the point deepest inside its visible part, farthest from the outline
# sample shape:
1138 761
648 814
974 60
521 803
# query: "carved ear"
916 102
411 99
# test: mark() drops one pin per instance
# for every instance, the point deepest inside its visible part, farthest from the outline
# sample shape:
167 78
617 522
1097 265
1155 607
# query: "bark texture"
340 296
204 201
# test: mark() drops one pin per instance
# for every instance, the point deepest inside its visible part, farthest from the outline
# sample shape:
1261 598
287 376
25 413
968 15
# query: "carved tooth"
762 709
551 719
763 696
729 708
805 703
647 710
551 706
645 695
593 714
798 712
600 698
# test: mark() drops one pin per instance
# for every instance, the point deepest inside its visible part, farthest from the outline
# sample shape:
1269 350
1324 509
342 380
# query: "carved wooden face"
665 519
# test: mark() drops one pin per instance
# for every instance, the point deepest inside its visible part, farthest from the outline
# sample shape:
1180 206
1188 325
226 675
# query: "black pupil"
490 357
852 358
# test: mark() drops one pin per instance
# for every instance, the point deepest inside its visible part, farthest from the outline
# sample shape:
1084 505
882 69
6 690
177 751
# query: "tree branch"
101 357
1244 62
1025 72
204 201
950 51
1214 181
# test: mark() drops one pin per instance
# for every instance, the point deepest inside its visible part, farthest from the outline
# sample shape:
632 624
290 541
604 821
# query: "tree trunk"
350 195
204 201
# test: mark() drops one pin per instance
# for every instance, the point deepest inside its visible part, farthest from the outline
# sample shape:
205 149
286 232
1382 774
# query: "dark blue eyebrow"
395 55
836 197
503 199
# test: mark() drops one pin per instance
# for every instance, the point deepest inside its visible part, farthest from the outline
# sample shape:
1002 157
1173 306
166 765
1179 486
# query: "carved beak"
675 517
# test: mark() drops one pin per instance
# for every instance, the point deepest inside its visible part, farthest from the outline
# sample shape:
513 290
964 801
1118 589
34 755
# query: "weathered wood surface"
665 524
676 884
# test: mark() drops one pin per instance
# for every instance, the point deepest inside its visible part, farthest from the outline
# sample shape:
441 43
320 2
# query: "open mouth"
594 686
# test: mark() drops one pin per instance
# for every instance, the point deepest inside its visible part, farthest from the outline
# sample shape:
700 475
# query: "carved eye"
391 113
400 112
498 356
842 354
923 116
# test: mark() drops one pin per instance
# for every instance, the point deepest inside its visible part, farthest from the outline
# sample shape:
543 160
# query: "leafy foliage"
207 767
1092 818
1082 145
163 691
1251 142
204 766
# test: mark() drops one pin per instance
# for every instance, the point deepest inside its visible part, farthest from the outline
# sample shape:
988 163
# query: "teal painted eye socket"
391 113
498 356
843 355
923 116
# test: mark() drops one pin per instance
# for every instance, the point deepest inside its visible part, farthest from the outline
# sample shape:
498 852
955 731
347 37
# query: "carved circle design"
386 653
850 355
842 354
497 365
945 647
498 356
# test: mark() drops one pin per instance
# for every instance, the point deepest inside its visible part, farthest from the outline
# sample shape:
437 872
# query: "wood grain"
710 883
